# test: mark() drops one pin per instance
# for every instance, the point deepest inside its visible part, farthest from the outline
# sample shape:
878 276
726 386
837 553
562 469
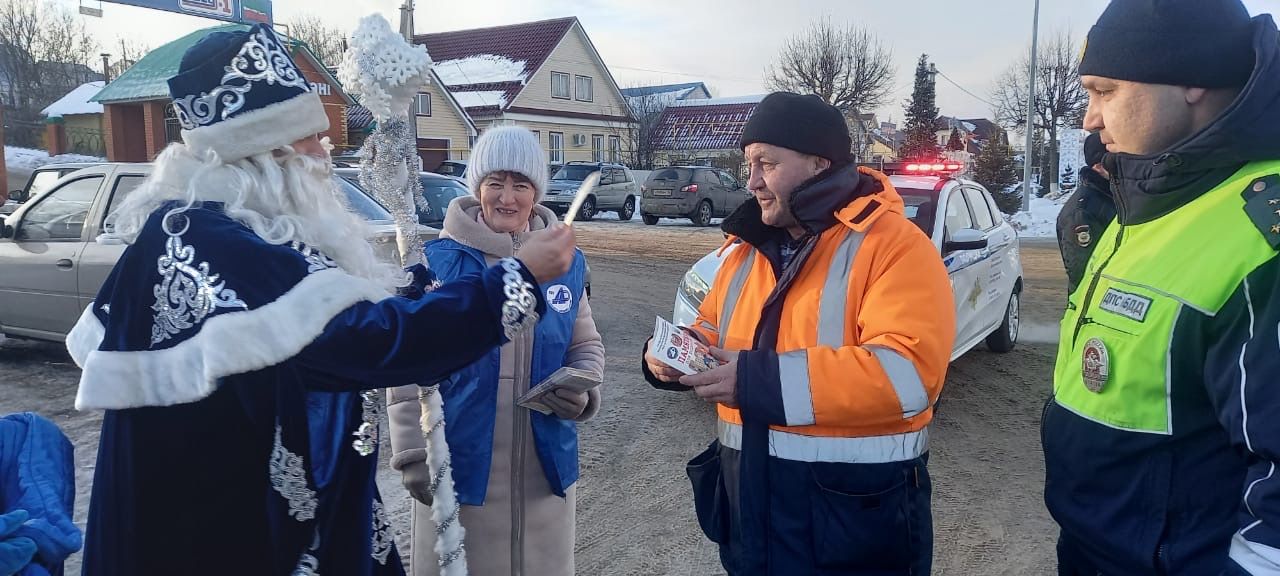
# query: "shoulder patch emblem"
1262 205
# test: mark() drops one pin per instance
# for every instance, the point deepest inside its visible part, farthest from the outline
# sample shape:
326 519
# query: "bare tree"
326 42
647 110
129 52
1060 99
45 52
848 67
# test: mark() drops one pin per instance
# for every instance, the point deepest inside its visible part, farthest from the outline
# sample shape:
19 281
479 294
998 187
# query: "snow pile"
28 159
1042 221
481 98
480 69
76 101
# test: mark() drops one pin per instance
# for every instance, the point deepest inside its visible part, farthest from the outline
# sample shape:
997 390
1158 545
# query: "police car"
979 248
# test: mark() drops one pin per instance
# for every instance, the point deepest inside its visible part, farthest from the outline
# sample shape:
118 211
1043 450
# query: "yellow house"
546 76
445 132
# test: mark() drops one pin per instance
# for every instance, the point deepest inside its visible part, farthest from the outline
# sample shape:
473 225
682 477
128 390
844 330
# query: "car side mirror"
967 239
18 196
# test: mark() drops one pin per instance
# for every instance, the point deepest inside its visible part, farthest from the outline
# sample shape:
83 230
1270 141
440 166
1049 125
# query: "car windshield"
574 173
919 208
360 202
439 193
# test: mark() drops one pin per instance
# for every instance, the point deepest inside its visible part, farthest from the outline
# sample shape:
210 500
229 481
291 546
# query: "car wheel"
628 209
649 219
1006 336
702 216
588 210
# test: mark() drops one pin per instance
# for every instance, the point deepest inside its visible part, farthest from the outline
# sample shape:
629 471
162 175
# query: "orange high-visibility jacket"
864 342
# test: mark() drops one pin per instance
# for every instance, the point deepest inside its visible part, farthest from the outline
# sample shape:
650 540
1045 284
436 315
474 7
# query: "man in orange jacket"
834 316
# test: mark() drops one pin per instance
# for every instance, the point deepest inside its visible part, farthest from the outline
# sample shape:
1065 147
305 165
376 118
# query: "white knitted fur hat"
508 149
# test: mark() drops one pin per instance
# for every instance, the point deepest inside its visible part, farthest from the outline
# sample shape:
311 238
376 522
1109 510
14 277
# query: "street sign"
91 11
247 11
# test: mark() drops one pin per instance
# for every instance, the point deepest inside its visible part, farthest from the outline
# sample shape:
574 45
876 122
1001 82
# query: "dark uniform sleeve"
1241 369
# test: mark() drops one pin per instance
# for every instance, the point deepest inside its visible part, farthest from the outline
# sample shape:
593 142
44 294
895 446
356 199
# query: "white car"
979 248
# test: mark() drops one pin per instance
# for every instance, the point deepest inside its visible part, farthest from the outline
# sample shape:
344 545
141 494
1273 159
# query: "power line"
962 89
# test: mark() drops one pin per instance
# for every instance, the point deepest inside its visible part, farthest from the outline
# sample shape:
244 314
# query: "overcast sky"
729 44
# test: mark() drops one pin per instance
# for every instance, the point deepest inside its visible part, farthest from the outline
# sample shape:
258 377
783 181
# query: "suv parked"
698 193
616 192
56 254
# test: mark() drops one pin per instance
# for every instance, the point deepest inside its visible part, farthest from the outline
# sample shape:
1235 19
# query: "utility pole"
1031 112
106 67
406 30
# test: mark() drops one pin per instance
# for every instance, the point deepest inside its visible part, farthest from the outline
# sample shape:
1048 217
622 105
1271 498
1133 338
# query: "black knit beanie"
806 124
1200 43
1094 149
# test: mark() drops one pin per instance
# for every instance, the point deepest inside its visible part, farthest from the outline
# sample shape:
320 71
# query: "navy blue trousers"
822 518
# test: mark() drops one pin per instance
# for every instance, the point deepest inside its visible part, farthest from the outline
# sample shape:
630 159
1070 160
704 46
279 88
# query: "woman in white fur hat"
514 469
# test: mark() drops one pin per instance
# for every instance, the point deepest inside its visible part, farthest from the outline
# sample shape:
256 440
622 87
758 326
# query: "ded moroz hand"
720 384
548 253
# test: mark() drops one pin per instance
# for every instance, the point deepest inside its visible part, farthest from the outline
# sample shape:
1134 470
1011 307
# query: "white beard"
284 197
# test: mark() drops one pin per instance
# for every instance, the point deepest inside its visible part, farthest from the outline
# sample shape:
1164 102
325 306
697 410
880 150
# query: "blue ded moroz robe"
238 438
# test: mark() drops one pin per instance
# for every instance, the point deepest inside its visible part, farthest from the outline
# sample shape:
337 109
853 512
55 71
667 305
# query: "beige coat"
522 528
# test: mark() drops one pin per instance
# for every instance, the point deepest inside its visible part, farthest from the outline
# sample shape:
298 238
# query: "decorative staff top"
384 70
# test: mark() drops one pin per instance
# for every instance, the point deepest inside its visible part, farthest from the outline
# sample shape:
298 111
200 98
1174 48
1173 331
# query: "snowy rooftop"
481 69
752 99
76 101
481 98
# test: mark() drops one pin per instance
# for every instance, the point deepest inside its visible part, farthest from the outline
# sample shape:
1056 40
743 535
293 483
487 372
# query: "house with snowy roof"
645 100
78 122
546 76
703 132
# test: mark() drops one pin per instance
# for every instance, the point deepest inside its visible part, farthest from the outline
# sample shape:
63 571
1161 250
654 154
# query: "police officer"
1087 213
1163 434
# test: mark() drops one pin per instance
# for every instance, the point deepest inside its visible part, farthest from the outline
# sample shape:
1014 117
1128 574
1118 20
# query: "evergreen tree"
994 169
1068 177
955 142
922 115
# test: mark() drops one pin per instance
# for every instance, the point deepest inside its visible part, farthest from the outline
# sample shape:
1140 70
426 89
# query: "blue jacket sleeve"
400 341
1241 367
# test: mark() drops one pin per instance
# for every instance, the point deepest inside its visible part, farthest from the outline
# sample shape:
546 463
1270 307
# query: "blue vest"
471 394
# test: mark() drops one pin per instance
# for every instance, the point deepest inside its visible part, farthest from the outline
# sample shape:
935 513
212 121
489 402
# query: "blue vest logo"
560 298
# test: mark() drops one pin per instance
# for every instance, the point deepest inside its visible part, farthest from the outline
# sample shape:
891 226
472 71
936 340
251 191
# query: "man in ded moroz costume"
231 345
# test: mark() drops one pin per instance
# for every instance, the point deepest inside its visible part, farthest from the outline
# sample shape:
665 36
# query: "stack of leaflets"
578 381
680 350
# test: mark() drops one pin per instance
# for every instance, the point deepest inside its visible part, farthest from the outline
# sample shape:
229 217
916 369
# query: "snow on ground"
77 101
481 98
1042 221
480 69
28 159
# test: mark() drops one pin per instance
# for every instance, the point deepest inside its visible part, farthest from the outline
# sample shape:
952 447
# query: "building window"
615 149
560 85
422 106
555 143
584 89
597 148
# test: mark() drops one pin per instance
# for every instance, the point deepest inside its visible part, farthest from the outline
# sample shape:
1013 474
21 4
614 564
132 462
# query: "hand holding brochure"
680 350
571 378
